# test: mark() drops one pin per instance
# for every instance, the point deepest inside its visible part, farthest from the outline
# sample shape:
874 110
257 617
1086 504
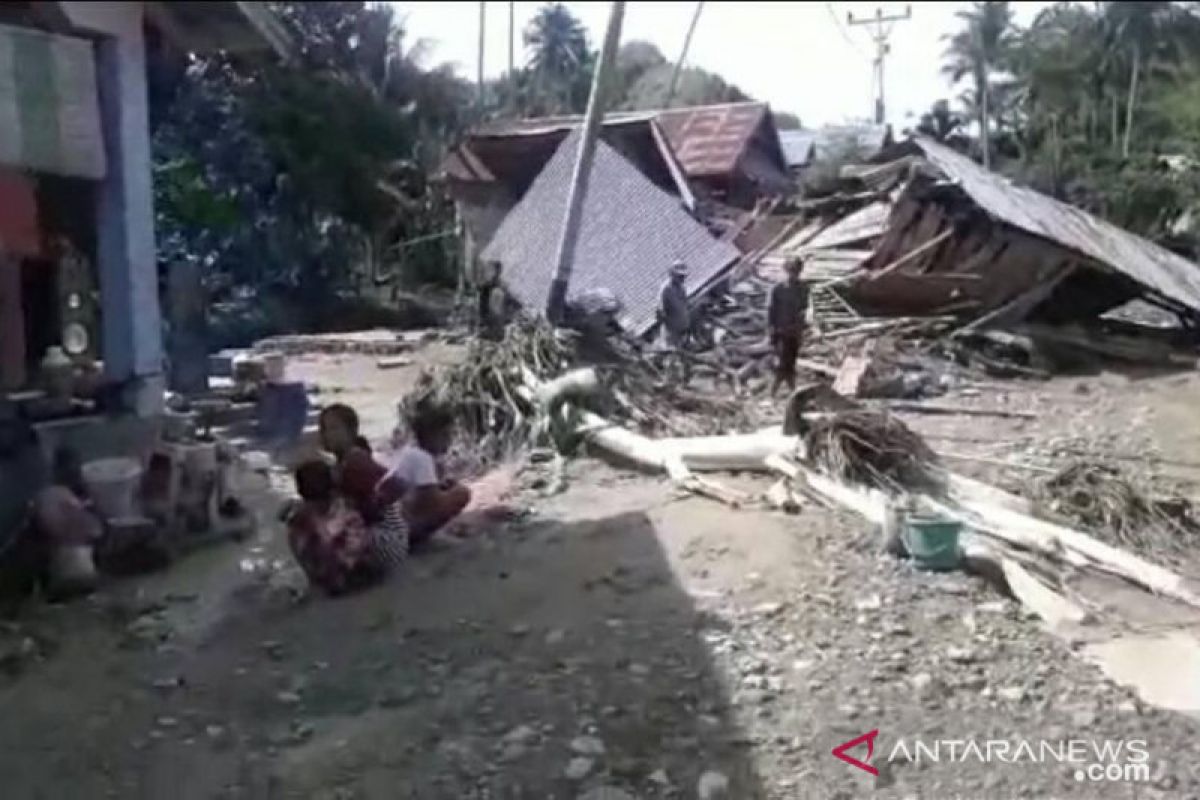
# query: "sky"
799 57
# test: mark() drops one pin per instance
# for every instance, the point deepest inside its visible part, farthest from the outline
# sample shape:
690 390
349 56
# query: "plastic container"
112 484
72 570
58 373
932 541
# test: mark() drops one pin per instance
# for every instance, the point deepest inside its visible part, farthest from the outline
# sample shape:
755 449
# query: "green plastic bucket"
932 541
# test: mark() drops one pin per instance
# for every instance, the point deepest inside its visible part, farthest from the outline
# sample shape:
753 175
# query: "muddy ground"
619 641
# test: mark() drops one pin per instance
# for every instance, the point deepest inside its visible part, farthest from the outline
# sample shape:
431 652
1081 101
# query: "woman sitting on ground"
328 537
430 500
365 483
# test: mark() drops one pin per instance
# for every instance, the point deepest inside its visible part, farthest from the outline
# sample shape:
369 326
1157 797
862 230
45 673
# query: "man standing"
492 303
787 313
674 314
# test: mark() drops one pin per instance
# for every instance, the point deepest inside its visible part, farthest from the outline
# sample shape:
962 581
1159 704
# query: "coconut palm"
978 50
558 51
1145 34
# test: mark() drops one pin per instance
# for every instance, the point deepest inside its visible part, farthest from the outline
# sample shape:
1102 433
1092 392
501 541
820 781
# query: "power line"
842 30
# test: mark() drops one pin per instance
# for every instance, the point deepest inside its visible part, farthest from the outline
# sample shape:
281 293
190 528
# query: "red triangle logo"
869 738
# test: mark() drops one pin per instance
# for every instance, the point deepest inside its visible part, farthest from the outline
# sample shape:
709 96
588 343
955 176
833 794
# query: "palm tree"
558 50
978 50
1142 32
939 122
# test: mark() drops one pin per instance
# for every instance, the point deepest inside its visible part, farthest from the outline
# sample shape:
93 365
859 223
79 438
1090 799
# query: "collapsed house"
833 144
632 230
718 160
682 184
932 233
978 243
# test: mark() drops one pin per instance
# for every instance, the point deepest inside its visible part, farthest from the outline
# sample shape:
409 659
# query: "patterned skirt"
389 537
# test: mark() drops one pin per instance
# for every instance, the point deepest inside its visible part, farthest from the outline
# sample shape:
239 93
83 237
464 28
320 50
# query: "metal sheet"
1073 228
866 223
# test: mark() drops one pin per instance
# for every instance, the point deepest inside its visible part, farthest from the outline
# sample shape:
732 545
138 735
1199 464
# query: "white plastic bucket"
112 484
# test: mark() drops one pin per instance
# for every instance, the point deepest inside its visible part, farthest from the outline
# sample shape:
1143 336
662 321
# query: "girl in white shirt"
430 501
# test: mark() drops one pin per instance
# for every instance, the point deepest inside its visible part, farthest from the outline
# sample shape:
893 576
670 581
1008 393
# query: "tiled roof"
631 233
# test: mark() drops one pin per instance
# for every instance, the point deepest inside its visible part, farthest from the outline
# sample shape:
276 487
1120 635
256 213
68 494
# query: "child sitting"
430 501
328 538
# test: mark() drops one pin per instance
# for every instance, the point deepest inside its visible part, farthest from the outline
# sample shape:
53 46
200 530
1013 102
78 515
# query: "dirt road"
619 638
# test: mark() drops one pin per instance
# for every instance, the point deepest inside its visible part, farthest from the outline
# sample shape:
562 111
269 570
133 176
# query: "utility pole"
880 34
687 42
482 30
512 35
557 301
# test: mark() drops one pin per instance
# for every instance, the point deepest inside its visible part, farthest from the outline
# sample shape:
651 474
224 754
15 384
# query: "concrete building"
75 166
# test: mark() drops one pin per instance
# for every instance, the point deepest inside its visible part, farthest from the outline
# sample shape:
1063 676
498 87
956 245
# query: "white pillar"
132 326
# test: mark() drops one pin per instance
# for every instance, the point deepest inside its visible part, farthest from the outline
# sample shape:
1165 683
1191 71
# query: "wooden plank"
948 408
871 504
1058 541
1022 304
1055 609
908 257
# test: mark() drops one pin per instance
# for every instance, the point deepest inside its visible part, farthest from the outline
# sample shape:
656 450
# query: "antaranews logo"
869 739
1119 760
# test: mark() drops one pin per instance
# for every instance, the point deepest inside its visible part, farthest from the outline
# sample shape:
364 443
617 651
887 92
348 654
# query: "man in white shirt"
430 501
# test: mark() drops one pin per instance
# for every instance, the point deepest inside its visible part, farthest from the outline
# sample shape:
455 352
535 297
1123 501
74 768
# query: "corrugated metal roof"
631 233
707 140
798 147
866 223
1035 213
543 125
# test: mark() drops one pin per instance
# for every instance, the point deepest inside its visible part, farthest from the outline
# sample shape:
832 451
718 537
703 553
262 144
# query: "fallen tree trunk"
1006 522
986 509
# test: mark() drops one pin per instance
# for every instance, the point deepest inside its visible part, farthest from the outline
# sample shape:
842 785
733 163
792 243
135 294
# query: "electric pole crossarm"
880 34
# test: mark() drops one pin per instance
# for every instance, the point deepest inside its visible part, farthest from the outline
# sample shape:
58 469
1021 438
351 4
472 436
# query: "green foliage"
558 77
786 121
1087 101
696 87
289 181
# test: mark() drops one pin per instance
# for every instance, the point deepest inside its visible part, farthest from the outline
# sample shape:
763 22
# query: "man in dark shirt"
676 316
673 307
786 318
491 303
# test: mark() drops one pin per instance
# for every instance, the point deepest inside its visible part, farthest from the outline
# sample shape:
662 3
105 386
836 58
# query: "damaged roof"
1140 259
708 140
514 159
630 234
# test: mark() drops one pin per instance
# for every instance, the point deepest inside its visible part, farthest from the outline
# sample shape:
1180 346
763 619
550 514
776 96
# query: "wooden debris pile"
495 391
1101 498
873 449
